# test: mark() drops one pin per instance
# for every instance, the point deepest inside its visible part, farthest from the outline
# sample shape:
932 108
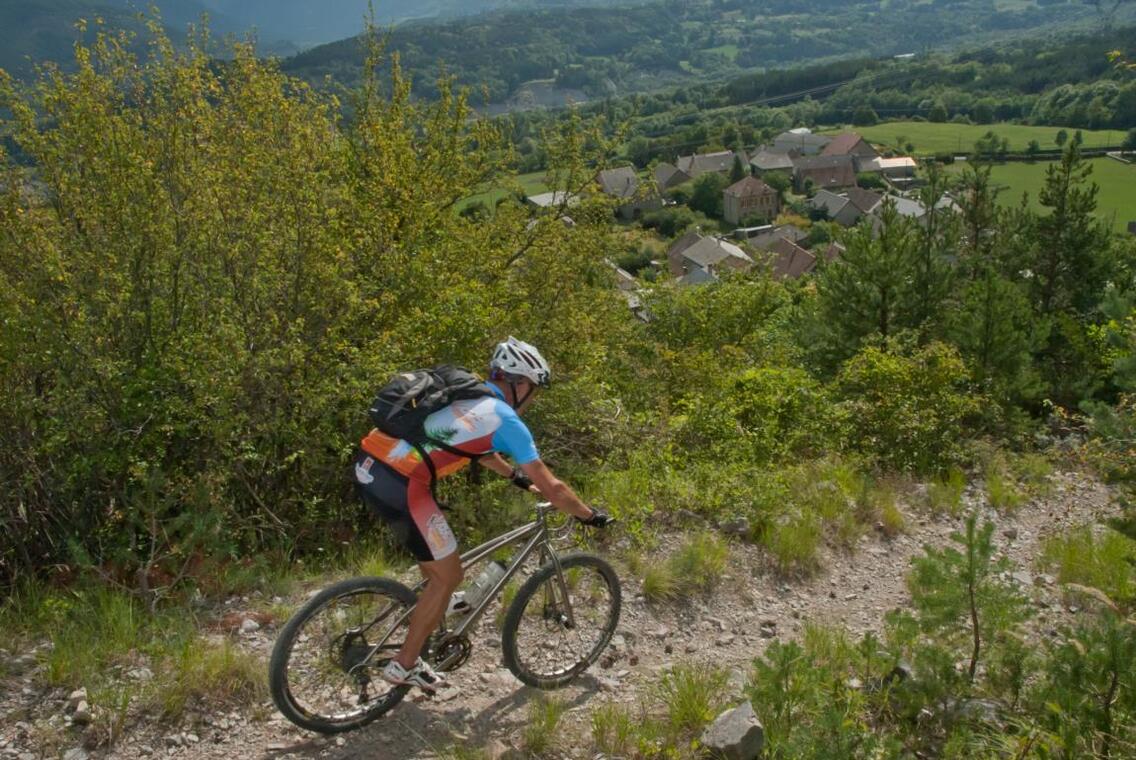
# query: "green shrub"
906 412
765 415
193 365
802 696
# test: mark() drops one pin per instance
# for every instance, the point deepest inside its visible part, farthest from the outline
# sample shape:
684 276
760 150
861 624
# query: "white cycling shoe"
421 675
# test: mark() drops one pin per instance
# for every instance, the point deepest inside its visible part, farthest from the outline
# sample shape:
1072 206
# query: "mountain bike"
325 665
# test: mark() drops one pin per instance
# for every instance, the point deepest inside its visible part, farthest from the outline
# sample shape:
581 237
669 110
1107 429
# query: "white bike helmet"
515 357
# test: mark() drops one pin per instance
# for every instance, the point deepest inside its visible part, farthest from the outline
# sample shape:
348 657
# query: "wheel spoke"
329 658
565 621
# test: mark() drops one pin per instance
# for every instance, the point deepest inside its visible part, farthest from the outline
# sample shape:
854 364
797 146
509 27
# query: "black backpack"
402 405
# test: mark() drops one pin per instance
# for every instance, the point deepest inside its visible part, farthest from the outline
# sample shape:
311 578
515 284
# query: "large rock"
736 734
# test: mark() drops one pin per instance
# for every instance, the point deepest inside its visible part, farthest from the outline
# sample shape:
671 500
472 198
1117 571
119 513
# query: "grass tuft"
205 672
692 696
1102 560
539 733
695 568
614 730
793 543
659 583
944 492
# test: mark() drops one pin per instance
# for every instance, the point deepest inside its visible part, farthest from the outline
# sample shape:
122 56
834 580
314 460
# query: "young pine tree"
932 273
993 327
866 295
1071 241
959 596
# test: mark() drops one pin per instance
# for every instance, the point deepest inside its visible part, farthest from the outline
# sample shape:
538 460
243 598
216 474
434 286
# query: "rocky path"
751 607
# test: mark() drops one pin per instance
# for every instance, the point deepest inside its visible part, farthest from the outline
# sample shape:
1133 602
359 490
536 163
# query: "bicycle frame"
536 536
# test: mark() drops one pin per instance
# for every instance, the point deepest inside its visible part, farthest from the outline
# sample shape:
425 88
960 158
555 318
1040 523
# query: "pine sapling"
959 595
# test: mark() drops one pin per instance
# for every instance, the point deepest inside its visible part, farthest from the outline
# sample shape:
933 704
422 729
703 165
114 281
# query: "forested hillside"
1059 82
606 51
43 31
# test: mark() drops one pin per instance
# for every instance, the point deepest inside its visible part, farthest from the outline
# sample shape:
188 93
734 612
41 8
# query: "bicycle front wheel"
323 674
560 623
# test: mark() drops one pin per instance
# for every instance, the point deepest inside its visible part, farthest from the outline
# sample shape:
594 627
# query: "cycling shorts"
407 506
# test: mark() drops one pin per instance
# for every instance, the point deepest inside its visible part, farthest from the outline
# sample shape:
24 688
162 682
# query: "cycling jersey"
476 426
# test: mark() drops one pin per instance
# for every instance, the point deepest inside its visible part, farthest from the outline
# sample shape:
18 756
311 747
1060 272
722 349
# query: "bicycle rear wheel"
550 637
323 673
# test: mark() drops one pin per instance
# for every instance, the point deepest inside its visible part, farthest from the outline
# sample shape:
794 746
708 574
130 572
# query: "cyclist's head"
514 363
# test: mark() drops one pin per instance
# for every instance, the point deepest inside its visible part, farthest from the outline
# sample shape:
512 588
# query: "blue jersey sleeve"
513 437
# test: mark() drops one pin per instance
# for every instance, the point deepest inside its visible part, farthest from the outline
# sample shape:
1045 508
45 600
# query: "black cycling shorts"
407 506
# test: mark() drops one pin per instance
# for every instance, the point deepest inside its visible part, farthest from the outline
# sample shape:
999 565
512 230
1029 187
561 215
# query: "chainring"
452 653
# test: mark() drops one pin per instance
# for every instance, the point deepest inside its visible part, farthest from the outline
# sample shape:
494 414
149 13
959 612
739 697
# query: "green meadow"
929 138
1116 199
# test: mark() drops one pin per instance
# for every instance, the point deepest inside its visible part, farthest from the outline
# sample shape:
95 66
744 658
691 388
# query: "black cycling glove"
520 480
599 519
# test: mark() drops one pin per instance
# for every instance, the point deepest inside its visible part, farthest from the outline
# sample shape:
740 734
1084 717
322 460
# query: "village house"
826 172
721 162
897 167
623 184
846 208
851 144
668 176
766 234
802 140
770 160
748 197
553 199
700 258
788 261
836 208
910 208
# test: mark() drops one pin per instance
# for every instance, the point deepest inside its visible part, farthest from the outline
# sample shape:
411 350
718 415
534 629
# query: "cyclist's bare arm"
498 464
556 490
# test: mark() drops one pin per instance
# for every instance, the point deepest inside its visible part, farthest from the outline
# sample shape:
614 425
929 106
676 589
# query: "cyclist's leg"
443 571
409 510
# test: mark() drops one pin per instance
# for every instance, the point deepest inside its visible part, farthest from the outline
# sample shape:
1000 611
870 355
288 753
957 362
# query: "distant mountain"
44 30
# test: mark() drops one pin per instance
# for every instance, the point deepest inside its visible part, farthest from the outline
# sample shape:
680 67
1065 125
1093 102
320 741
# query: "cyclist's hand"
522 481
599 519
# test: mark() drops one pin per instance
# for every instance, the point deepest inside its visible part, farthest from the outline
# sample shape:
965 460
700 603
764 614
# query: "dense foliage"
205 275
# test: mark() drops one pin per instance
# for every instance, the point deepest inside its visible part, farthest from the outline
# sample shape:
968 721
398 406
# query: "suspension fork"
561 581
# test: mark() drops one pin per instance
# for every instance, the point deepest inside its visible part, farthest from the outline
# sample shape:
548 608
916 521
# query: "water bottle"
458 605
480 588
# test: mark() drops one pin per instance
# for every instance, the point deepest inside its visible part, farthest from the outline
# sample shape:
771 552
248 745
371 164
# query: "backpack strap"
434 470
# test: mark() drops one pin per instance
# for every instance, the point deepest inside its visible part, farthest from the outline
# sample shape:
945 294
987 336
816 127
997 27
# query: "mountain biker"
394 481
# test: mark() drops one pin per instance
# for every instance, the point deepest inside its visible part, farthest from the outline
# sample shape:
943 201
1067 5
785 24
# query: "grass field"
531 184
1116 200
730 51
930 138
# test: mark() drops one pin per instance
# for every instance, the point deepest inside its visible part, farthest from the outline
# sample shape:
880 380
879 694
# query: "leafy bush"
195 324
907 412
766 415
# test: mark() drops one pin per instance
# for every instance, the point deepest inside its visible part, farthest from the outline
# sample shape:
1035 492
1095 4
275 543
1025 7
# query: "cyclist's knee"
446 572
